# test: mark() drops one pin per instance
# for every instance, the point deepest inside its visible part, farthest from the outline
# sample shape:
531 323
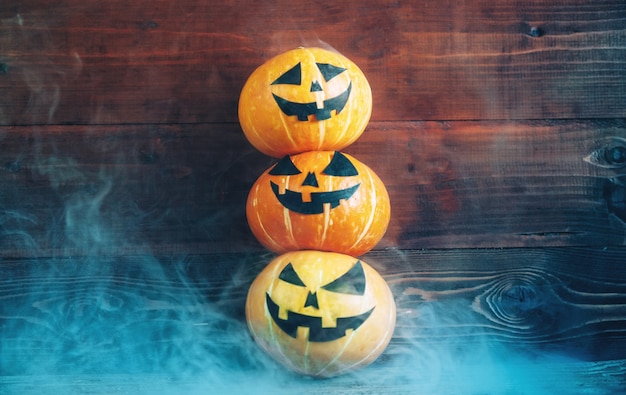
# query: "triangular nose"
311 300
316 87
310 180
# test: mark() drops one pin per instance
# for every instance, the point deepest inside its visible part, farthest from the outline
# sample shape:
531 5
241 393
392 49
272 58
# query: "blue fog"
145 326
101 324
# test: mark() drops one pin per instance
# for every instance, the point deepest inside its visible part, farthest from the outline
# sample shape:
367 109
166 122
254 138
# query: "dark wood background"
499 129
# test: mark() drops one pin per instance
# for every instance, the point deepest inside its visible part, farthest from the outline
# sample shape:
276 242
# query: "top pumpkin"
306 99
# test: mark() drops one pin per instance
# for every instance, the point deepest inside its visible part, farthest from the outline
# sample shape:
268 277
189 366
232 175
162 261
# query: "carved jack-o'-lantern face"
320 313
350 283
319 200
321 108
339 166
303 100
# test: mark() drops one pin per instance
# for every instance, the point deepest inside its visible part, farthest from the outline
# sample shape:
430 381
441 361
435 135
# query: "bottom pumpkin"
321 313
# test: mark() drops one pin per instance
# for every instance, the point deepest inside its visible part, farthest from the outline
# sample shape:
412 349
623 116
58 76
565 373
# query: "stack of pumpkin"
316 308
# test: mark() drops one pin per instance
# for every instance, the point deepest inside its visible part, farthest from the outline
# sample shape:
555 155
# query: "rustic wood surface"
88 62
498 127
173 188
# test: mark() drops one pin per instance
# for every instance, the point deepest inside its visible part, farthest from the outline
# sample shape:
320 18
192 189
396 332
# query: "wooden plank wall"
499 129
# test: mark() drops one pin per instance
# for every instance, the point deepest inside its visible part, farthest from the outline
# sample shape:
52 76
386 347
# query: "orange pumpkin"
320 313
319 200
305 99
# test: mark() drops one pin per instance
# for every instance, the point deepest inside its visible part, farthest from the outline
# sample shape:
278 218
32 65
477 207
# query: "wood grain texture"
540 296
95 189
182 317
498 128
112 62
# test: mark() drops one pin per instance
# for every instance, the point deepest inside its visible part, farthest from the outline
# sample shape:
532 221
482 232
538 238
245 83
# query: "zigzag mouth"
293 200
304 110
317 333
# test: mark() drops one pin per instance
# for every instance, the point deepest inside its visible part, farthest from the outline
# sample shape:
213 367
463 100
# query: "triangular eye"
329 71
353 282
293 76
289 275
284 167
341 166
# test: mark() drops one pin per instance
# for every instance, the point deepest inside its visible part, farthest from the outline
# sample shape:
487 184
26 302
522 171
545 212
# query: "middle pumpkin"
320 200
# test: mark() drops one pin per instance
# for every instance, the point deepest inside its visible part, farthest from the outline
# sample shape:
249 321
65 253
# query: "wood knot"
531 31
518 300
535 31
513 302
616 155
521 296
610 153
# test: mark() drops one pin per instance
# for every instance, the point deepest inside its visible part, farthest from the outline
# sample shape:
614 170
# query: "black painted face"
293 76
351 283
339 166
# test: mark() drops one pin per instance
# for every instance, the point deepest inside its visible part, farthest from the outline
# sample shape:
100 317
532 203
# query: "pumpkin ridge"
259 139
321 126
338 356
321 134
327 210
270 240
305 356
287 218
270 321
370 220
384 340
346 127
288 136
288 228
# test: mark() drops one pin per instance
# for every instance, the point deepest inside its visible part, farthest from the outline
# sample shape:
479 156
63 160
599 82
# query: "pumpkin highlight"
320 313
306 99
319 200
